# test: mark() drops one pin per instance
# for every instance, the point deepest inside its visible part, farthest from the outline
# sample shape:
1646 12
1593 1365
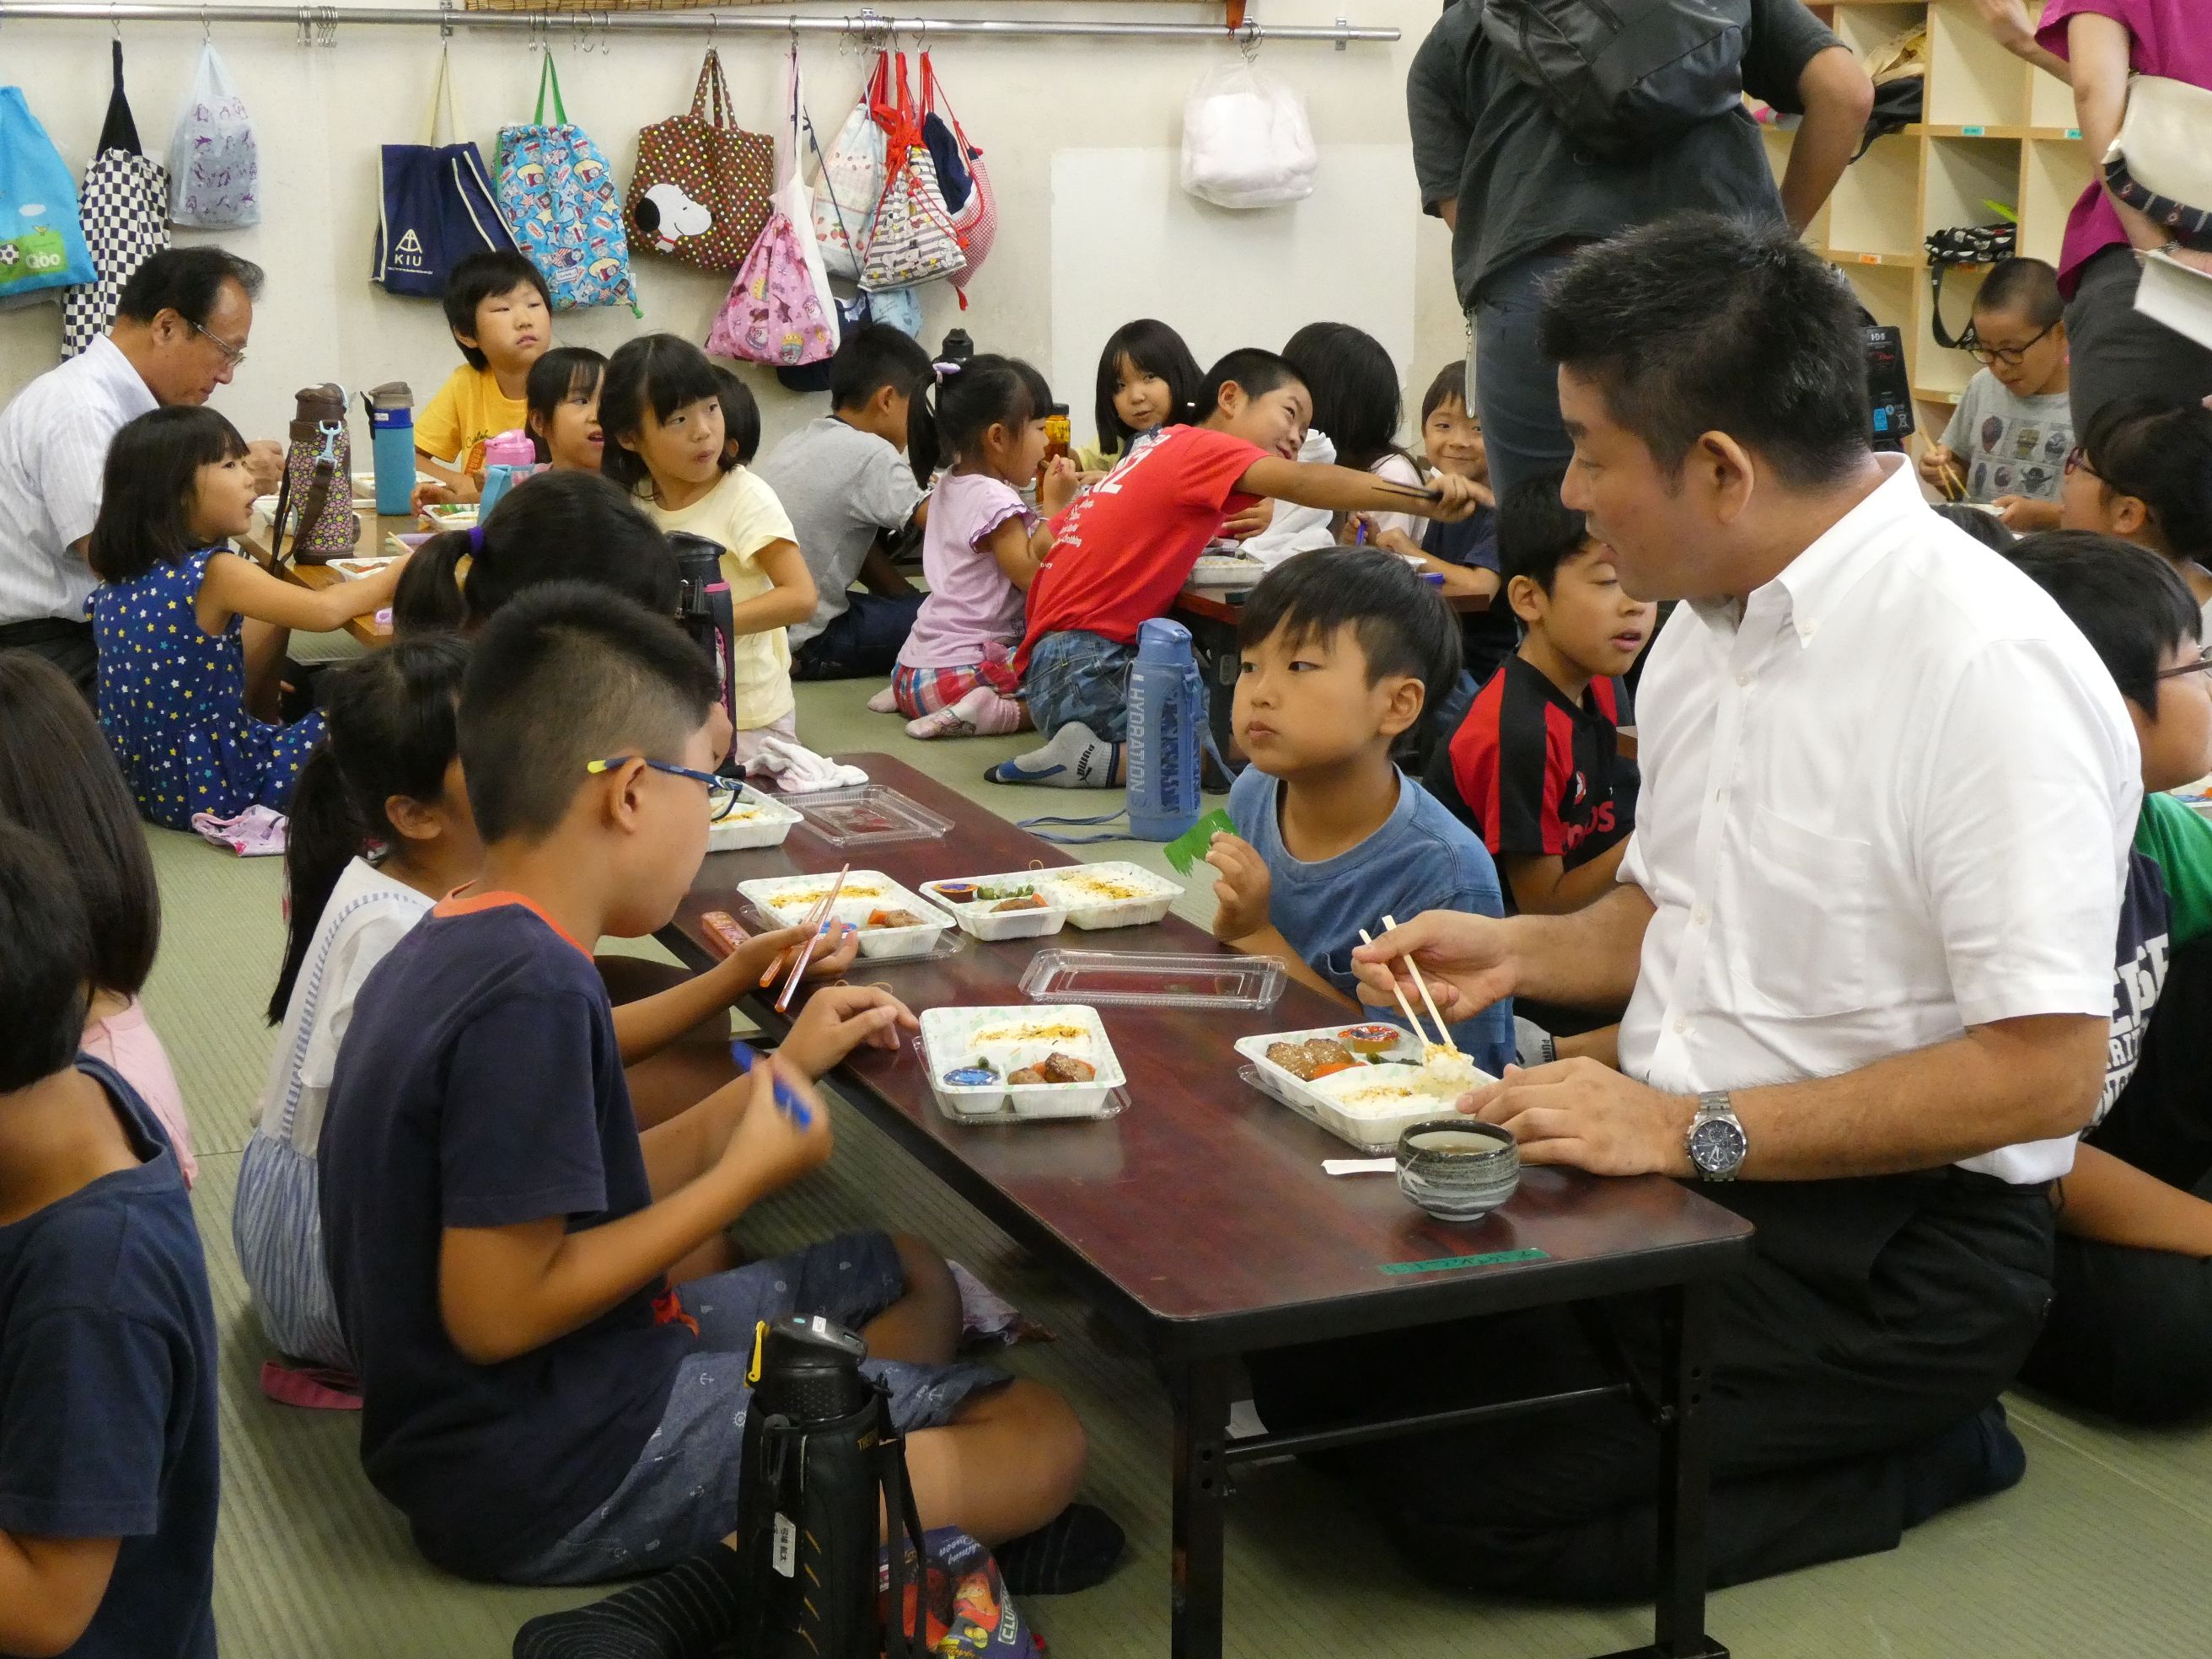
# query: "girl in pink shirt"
979 548
58 779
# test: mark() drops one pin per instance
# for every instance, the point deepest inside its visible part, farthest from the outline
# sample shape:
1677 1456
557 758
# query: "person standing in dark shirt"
1521 195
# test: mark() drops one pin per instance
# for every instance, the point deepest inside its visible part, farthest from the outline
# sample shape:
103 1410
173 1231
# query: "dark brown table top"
1201 1218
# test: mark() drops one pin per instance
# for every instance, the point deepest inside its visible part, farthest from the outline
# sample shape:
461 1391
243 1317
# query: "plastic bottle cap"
1162 639
510 449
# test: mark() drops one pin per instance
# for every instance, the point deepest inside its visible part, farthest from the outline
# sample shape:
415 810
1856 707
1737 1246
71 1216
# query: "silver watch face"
1716 1147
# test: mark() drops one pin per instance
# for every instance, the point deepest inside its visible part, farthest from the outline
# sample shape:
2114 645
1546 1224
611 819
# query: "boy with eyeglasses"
2006 441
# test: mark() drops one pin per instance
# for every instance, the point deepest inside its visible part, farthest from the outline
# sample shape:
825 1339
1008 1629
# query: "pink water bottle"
508 458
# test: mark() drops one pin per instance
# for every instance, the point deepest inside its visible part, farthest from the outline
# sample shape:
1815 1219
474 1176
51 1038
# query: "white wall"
322 113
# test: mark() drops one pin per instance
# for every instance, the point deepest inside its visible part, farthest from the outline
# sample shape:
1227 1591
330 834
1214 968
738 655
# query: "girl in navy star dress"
192 635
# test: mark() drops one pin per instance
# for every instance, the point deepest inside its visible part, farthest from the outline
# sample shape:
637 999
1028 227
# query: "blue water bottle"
392 425
1167 725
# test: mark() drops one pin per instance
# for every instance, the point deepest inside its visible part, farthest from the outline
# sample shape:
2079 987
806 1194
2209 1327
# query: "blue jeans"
1516 387
1079 677
861 644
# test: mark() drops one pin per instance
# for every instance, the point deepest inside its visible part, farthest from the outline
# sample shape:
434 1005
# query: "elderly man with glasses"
179 331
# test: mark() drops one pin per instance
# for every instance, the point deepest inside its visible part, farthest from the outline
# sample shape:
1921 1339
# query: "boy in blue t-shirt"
2130 1330
1342 649
108 1480
538 1397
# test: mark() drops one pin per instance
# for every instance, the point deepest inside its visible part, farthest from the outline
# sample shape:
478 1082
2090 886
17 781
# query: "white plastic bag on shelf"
1246 143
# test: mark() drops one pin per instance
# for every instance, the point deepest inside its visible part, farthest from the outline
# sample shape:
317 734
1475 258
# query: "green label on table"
1494 1259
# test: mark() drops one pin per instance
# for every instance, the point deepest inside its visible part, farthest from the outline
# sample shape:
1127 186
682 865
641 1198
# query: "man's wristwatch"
1716 1142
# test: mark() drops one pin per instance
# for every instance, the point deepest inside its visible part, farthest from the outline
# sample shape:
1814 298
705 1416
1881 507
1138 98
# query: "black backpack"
1621 74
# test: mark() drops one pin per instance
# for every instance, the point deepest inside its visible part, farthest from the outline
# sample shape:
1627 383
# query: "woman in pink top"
58 779
979 548
2117 351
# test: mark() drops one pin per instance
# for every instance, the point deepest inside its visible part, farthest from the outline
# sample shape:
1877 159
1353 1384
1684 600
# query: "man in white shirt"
180 331
1863 935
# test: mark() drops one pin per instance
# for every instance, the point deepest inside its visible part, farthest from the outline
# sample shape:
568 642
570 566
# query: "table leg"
1685 1475
1201 1391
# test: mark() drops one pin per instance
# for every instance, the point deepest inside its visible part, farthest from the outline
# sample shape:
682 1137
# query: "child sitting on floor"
2144 473
192 635
537 1398
58 781
2008 440
980 551
1123 552
502 318
844 479
108 1474
2130 1330
1147 379
1341 651
663 408
1534 767
562 397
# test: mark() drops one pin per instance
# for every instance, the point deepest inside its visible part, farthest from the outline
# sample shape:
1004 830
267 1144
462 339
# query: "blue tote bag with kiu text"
41 238
438 206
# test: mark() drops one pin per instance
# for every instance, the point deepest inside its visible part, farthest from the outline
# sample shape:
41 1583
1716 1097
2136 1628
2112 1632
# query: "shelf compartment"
1871 211
2053 174
1961 177
1939 371
1971 80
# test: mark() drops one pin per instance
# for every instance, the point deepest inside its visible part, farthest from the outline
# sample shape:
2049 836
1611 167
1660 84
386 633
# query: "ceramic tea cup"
1458 1169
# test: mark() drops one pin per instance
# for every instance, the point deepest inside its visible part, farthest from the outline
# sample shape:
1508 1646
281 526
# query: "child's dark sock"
1075 758
676 1615
1079 1547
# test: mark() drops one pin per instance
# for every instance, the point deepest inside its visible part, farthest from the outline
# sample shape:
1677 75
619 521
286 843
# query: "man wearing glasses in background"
179 331
2007 444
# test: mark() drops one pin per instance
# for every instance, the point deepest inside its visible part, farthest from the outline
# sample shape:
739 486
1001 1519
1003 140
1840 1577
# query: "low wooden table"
1212 614
1201 1222
316 577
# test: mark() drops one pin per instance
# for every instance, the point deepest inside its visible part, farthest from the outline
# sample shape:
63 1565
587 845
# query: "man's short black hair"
1538 532
564 675
48 963
2132 606
1987 528
1402 623
872 356
2027 286
1258 371
482 277
1700 324
187 281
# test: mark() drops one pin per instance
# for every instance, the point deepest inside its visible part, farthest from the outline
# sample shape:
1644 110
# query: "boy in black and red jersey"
1536 768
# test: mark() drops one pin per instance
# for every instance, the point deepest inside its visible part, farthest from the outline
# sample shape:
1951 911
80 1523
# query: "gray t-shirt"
1486 136
842 488
2009 445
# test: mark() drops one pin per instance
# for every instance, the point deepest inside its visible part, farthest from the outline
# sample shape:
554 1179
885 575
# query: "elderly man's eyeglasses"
234 356
722 793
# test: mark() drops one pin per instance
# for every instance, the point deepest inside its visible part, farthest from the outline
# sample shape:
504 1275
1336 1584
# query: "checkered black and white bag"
124 206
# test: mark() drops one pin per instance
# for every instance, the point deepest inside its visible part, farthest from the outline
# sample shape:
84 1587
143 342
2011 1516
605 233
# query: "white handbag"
1246 143
2161 164
214 166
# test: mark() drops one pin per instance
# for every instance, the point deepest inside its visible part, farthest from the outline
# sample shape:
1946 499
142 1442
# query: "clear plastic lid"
1128 978
867 816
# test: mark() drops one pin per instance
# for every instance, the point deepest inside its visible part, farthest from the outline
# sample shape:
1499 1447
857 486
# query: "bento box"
756 821
1375 1080
1019 1062
981 904
788 900
1111 894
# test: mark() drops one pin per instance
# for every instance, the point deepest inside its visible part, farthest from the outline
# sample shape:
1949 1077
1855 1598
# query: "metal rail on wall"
319 25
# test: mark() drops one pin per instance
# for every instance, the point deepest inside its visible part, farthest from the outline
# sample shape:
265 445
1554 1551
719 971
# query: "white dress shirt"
53 447
1893 800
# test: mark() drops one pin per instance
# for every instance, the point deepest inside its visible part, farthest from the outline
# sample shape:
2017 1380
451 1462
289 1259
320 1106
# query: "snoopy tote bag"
125 209
438 205
779 311
701 187
214 166
852 178
558 198
41 242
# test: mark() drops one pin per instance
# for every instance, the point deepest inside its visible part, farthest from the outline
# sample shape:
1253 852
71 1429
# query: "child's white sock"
886 702
982 713
1075 758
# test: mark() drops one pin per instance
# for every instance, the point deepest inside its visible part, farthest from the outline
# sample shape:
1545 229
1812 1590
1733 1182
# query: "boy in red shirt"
1126 547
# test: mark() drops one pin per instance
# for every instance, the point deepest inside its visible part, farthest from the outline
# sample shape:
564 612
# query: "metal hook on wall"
327 31
445 19
1249 38
207 27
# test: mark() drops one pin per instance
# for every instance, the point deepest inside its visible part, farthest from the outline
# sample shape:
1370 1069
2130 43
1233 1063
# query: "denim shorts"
1079 677
681 1496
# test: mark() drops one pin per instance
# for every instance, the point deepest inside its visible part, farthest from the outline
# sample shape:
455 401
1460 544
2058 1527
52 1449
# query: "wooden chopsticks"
815 919
1428 1001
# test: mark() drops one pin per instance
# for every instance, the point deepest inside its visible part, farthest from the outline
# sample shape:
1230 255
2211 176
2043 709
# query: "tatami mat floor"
2102 1551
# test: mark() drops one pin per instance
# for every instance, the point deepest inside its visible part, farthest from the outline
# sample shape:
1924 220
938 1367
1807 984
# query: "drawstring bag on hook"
214 165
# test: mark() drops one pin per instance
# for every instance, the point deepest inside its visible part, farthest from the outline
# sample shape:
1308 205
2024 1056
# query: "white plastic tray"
789 900
1226 570
977 917
954 1037
758 820
1077 887
1372 1132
